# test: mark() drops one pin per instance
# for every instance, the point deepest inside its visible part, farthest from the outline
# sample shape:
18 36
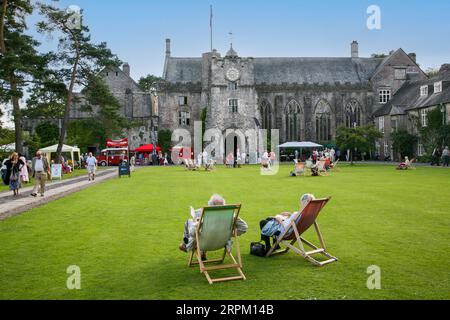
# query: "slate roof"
184 70
314 70
408 96
286 70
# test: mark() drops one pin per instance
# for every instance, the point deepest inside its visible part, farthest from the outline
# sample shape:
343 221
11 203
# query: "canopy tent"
8 147
148 148
66 149
302 145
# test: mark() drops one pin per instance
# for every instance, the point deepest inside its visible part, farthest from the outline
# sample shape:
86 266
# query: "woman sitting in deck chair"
274 226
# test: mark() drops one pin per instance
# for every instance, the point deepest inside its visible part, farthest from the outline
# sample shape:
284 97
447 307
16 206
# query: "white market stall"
73 151
300 145
8 147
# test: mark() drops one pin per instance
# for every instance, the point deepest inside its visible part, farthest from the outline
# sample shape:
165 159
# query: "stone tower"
233 97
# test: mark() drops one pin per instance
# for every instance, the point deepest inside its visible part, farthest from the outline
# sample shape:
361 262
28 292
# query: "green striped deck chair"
217 225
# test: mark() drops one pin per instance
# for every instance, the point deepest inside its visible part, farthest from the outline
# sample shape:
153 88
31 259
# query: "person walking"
39 170
14 166
132 162
446 157
24 177
435 157
91 164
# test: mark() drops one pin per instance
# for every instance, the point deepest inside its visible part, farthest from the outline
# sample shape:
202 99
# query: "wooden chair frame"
321 166
236 264
300 248
335 166
298 166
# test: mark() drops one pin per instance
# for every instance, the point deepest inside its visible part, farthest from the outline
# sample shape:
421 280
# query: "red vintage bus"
112 156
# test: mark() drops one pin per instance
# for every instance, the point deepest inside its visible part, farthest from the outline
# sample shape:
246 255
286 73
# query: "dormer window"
400 74
438 87
423 91
117 73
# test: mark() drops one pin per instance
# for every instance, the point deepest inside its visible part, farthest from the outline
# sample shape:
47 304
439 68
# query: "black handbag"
258 249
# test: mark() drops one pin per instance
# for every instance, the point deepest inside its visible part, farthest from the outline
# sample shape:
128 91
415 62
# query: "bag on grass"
258 249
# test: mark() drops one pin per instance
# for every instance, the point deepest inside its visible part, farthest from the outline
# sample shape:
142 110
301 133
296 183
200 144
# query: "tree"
432 72
404 143
165 140
105 120
149 82
48 134
357 139
104 108
78 58
20 62
436 133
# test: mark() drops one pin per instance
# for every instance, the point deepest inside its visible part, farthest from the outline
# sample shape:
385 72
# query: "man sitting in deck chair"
190 225
214 229
293 230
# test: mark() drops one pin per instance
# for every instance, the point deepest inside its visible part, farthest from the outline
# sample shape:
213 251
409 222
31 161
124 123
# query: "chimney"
126 68
355 49
413 56
168 47
445 68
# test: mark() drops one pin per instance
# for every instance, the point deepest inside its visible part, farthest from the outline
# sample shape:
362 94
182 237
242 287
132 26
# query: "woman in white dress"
24 170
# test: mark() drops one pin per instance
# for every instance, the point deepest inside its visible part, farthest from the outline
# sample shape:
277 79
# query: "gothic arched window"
266 115
322 116
294 118
353 114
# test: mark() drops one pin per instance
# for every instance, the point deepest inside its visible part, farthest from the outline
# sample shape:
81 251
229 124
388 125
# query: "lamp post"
153 133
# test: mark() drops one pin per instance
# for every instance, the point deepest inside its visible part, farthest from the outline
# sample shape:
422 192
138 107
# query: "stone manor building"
305 98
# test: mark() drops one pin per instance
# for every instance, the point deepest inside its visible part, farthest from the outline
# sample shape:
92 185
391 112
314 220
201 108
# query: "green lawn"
124 235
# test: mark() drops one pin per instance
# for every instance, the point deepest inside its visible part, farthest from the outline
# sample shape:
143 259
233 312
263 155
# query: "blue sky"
136 29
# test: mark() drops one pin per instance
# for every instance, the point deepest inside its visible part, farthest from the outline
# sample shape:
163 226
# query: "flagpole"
211 26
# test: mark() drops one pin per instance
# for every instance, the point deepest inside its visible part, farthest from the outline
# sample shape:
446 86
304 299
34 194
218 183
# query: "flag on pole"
211 16
211 25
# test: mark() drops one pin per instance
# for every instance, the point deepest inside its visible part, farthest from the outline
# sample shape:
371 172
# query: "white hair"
216 200
305 199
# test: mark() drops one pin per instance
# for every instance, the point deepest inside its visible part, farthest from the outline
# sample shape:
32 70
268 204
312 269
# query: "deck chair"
190 165
210 165
412 163
321 165
299 169
292 235
335 165
216 227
